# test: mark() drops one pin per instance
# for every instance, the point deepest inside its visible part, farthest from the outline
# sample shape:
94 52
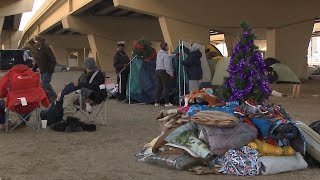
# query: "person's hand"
75 83
172 77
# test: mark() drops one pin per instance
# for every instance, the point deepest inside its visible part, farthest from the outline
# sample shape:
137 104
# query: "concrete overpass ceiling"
222 13
58 29
12 22
107 8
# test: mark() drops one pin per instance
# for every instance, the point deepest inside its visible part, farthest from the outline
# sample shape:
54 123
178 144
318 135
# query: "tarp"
221 71
141 86
285 74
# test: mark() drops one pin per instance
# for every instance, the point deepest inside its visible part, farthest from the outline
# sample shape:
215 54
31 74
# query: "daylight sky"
27 16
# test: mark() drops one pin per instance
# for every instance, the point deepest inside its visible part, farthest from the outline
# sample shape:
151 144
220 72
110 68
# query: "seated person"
89 85
5 86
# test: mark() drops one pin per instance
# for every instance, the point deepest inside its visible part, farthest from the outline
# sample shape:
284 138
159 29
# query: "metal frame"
95 115
119 74
23 119
181 68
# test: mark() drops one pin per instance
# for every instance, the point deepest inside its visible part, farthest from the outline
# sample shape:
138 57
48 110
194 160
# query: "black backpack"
54 114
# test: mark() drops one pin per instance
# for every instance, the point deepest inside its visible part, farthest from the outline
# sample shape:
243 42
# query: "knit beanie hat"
90 63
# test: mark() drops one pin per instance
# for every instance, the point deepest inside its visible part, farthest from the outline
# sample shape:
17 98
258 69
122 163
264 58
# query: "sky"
27 15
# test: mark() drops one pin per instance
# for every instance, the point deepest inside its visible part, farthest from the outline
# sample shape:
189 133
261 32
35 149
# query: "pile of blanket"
211 137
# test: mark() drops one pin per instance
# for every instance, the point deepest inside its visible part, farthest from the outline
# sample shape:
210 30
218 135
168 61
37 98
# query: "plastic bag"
180 162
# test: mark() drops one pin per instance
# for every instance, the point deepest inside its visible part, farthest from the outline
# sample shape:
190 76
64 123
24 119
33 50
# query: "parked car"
7 58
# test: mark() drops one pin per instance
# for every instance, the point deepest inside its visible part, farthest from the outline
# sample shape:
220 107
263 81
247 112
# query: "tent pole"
198 42
183 71
179 71
119 85
130 76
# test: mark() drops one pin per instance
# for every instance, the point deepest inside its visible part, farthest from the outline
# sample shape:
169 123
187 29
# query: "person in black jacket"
121 64
46 62
193 66
91 92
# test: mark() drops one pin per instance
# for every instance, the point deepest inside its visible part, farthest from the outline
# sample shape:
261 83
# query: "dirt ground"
109 152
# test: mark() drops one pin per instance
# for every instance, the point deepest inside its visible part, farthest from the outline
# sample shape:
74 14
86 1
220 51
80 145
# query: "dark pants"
46 80
35 67
123 85
162 85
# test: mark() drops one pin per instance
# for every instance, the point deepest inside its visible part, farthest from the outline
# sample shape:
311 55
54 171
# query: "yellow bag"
266 149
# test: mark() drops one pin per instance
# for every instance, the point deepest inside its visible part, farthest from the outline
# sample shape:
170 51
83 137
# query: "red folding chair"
24 96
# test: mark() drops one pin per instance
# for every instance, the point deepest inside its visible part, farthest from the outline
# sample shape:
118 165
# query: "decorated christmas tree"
248 78
144 50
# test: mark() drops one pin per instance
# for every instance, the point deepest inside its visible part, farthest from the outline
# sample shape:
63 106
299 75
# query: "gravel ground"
109 152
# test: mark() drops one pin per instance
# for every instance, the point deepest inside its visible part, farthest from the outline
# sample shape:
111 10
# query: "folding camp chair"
23 119
24 96
95 114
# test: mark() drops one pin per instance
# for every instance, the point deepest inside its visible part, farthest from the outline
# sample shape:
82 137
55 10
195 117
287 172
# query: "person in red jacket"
5 86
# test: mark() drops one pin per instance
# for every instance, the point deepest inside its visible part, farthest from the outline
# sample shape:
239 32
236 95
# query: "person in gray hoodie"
164 72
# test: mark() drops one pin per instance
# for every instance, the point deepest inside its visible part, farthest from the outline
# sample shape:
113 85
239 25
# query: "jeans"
46 79
162 85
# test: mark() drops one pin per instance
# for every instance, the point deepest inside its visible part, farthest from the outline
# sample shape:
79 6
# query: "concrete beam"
1 25
226 13
174 30
51 13
103 57
78 6
16 22
68 41
115 28
62 44
120 12
231 41
13 7
10 39
106 10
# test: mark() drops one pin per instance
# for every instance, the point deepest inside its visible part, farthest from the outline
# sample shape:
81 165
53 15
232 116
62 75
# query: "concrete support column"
289 45
62 43
10 38
173 30
82 55
103 51
271 43
61 54
231 41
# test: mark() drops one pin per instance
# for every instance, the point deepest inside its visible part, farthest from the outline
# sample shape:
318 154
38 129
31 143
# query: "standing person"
164 72
121 64
30 45
193 66
46 63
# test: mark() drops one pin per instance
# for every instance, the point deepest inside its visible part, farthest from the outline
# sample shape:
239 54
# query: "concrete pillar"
231 41
289 45
82 55
174 30
103 51
61 54
10 38
271 43
62 43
